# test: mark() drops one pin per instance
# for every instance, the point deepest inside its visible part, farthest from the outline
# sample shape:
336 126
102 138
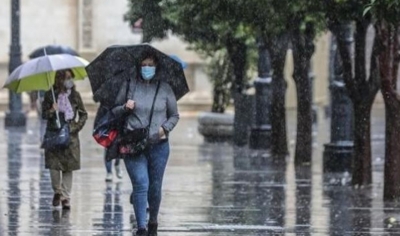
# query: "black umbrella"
117 63
52 49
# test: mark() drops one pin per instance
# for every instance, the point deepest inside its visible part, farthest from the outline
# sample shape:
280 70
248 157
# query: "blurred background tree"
226 31
346 18
207 32
386 18
148 12
232 26
306 20
280 22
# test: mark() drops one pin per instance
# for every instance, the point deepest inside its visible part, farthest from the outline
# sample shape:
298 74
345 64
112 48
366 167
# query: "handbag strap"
154 101
128 85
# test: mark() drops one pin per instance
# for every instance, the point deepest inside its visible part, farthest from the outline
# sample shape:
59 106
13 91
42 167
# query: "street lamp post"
338 153
15 117
260 136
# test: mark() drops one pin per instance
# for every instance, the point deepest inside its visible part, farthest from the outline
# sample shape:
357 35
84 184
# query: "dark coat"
68 159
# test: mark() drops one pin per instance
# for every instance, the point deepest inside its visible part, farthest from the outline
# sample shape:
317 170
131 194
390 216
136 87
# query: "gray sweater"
165 112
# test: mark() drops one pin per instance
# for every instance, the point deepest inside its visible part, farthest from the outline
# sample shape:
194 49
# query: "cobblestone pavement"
209 189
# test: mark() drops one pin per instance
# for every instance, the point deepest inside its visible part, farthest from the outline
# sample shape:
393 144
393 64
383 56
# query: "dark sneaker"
56 199
65 204
109 177
141 232
152 229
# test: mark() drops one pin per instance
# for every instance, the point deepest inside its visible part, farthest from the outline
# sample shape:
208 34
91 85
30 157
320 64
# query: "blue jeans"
146 172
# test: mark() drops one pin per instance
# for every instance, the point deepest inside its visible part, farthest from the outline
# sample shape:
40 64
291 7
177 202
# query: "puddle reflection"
14 164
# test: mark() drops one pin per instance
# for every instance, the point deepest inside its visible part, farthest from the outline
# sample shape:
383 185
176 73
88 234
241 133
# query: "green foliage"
388 10
154 26
210 27
346 10
206 23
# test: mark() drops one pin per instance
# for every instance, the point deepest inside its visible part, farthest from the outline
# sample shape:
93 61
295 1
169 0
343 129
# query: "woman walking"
150 103
62 162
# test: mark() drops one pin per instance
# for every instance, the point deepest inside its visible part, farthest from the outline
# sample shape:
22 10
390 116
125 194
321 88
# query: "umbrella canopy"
51 50
39 73
111 68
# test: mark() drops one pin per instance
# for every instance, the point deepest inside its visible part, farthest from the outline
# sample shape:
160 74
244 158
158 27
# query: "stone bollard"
244 113
260 137
215 127
338 153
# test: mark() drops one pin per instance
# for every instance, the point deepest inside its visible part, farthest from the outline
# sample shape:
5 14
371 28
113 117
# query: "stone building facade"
89 26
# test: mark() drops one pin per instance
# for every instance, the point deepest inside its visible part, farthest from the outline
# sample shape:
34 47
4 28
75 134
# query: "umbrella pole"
52 93
39 102
54 100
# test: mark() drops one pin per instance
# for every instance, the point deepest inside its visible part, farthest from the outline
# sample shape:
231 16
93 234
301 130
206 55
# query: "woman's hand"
130 104
54 107
73 128
161 133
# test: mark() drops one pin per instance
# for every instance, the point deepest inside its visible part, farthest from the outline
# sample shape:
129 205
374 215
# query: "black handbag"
135 148
57 139
133 136
134 141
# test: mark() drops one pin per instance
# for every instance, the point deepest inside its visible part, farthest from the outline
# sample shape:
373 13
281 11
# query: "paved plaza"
209 189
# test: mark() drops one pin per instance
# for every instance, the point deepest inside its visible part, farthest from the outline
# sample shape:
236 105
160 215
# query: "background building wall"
90 26
41 22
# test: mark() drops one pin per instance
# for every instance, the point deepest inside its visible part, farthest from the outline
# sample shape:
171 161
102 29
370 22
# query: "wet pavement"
209 189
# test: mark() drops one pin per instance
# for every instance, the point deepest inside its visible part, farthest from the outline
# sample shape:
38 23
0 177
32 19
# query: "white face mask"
68 84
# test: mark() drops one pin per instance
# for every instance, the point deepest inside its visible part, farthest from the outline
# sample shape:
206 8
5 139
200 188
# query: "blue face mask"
148 72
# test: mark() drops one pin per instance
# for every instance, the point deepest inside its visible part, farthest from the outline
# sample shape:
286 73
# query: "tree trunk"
392 149
278 49
222 75
303 49
303 151
279 146
389 57
218 101
237 52
362 174
362 91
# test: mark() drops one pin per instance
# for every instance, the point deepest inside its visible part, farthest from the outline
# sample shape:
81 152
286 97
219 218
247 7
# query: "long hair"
59 79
